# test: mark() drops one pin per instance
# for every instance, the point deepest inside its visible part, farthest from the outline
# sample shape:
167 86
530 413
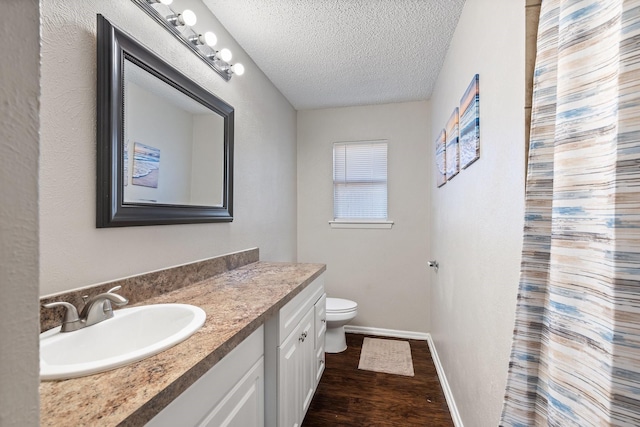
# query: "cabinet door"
308 360
319 365
244 405
296 373
321 329
320 308
289 384
229 392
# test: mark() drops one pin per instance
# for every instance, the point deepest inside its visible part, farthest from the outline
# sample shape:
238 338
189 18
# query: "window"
360 183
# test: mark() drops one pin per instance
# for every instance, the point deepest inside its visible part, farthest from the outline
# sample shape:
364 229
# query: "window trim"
361 223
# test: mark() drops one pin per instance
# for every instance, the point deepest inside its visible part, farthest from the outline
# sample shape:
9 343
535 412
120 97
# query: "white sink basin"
132 334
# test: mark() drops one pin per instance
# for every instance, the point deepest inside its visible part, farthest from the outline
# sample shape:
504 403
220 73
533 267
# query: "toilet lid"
339 305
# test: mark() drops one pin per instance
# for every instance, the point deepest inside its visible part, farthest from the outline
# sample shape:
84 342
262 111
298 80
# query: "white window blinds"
360 180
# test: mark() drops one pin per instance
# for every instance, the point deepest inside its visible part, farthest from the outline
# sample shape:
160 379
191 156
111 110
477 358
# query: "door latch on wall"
434 265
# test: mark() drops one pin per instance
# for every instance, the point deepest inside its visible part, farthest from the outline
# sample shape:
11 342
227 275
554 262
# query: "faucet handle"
71 320
119 300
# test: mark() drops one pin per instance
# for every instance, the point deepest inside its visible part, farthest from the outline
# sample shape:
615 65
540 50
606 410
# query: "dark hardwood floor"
351 397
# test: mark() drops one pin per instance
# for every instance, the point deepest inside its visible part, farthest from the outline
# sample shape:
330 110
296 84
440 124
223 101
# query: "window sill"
360 224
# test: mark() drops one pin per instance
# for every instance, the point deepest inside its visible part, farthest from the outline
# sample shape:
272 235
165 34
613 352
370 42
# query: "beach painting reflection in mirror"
125 163
146 165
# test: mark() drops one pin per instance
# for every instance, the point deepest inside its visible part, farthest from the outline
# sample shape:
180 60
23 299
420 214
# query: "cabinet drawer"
293 312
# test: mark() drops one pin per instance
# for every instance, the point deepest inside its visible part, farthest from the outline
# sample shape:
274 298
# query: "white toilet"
339 313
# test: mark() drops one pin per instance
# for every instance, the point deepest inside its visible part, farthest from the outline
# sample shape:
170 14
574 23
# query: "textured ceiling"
331 53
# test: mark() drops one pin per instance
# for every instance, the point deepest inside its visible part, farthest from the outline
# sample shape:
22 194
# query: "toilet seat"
340 305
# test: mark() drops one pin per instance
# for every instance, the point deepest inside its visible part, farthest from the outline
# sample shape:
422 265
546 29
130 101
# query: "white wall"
168 128
19 91
207 181
383 270
477 218
73 252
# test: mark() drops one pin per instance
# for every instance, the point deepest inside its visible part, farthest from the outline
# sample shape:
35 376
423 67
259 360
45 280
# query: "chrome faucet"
95 310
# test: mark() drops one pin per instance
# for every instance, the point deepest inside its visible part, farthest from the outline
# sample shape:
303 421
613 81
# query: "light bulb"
210 39
225 55
237 69
185 18
188 17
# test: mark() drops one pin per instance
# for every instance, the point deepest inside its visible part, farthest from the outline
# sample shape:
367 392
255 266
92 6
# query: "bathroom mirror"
165 144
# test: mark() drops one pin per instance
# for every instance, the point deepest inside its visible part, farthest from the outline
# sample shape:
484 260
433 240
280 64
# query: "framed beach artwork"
441 167
125 163
146 165
470 124
452 159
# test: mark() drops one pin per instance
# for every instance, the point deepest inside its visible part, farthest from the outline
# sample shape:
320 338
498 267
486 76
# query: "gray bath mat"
389 356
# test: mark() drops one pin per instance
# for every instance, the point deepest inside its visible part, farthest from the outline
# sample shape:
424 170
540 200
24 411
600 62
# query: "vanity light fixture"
200 43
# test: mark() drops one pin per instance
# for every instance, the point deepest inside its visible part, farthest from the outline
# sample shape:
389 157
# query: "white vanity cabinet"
294 356
229 394
267 380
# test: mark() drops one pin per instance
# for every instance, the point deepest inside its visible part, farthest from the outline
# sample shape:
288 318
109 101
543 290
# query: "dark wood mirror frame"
113 47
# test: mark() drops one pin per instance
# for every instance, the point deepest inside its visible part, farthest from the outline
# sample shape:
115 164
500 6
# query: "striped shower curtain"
575 358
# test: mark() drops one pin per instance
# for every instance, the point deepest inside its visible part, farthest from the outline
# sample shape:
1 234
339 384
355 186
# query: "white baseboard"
455 415
448 395
386 332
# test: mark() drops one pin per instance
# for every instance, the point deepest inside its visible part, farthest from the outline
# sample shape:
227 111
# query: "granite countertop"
236 302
